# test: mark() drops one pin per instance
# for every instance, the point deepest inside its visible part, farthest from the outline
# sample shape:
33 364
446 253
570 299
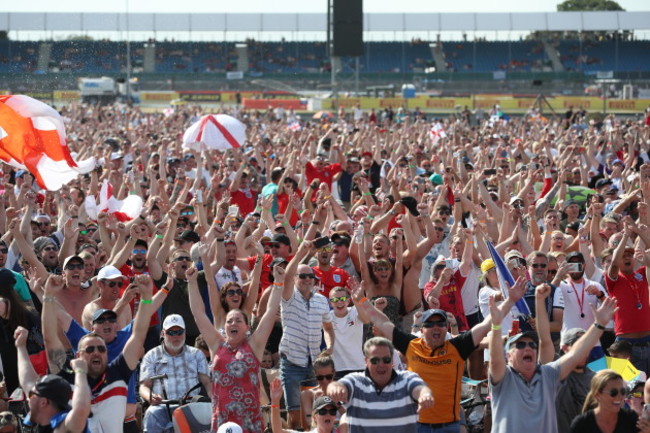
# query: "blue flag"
505 278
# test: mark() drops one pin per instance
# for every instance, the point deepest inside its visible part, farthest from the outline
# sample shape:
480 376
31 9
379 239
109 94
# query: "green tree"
588 5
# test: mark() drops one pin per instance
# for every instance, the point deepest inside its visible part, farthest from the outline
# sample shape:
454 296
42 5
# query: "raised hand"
606 311
20 336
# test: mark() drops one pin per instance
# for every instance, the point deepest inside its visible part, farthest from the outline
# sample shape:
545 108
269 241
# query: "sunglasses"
9 417
321 377
539 265
234 292
183 259
616 391
103 320
382 269
637 395
439 229
552 271
305 276
72 267
523 344
91 349
439 267
432 323
113 284
43 224
274 244
33 393
91 229
50 248
187 213
325 249
327 411
83 232
376 360
139 251
4 250
340 298
175 333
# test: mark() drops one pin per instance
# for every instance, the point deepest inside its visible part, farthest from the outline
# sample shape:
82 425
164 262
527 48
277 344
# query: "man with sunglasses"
382 396
438 361
329 276
523 381
111 283
107 377
306 316
184 367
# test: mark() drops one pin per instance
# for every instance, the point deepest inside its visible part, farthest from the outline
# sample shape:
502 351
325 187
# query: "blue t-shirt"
115 347
271 189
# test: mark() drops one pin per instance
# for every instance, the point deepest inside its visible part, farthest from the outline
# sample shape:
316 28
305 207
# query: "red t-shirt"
246 201
451 299
129 272
266 270
325 175
331 278
283 203
629 291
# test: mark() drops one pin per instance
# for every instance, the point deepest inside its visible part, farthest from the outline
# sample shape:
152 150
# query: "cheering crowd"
334 275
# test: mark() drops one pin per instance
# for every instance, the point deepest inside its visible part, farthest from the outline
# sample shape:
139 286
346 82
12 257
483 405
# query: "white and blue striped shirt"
302 324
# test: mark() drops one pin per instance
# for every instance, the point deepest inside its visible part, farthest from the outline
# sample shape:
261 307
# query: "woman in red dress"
236 357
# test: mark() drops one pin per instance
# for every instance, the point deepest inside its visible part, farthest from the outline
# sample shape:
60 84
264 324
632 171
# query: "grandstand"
556 63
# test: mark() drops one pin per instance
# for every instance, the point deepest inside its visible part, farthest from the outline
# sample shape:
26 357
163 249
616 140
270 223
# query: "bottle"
359 237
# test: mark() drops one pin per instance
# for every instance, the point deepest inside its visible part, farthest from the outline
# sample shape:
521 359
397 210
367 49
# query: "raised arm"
76 419
365 308
134 347
27 376
292 268
261 335
53 346
543 326
210 335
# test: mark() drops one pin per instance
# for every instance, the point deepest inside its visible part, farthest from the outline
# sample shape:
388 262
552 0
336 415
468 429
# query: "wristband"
362 300
74 217
278 284
49 299
496 327
316 223
165 291
216 221
274 406
300 212
220 240
80 371
412 166
370 217
159 236
366 193
457 200
146 301
599 326
286 223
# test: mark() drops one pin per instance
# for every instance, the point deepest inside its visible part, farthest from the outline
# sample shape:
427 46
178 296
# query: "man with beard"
110 282
177 302
537 262
183 365
578 293
107 379
329 276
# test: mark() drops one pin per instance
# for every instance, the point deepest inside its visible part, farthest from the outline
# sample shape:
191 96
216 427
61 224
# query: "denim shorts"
293 377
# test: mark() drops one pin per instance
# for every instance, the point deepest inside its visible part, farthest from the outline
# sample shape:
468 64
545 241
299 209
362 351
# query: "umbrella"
621 366
218 131
322 115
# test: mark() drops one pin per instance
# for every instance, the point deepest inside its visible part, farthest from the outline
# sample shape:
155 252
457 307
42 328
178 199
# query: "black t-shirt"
586 423
178 302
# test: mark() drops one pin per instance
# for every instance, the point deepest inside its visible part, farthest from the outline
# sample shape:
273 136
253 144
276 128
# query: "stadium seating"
97 57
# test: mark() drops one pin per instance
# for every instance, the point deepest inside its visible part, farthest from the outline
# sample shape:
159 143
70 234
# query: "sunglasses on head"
325 411
523 344
376 360
91 349
616 391
340 298
539 265
175 333
305 276
138 251
432 323
321 377
103 320
234 292
73 266
183 259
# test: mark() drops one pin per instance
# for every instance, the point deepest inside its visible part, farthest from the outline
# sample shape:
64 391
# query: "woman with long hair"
603 411
236 357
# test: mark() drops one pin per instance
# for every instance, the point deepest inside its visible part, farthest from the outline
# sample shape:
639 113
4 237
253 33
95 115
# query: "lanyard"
635 289
581 303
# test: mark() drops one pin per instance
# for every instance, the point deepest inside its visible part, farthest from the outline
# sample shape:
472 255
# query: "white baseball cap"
108 273
173 320
230 427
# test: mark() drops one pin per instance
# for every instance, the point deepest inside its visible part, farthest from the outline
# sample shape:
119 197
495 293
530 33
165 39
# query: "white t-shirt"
577 303
224 276
469 291
348 341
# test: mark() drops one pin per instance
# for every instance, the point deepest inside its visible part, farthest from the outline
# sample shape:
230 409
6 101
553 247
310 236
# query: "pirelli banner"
513 104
